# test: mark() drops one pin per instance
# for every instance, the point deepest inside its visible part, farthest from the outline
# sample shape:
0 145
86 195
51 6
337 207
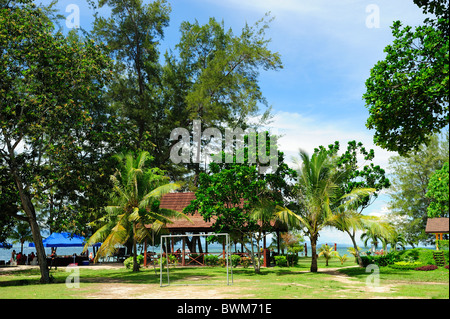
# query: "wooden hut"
438 226
177 202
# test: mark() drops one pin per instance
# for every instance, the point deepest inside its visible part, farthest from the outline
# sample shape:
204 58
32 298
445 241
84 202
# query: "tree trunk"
313 239
135 263
358 257
28 208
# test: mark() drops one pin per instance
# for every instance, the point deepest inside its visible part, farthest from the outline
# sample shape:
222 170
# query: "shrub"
405 265
281 261
293 259
160 261
245 261
425 256
381 260
128 263
446 266
211 260
443 244
235 260
427 268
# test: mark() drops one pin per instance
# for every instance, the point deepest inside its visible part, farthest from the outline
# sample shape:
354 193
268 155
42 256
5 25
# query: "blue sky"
327 47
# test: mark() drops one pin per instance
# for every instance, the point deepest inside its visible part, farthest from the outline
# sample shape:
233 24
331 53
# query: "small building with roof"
438 226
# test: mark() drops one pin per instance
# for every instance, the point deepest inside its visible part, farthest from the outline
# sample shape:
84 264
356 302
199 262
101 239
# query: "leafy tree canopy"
438 193
407 92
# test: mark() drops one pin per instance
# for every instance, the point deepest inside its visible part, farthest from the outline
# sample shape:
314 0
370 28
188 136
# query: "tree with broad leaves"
407 92
50 86
437 191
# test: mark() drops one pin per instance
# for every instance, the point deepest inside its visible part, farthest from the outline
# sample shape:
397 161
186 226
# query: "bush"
446 266
425 256
293 259
427 268
235 260
381 260
245 261
281 261
128 263
443 244
405 265
211 260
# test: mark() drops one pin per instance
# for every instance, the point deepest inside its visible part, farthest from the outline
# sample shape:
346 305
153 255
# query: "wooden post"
183 260
437 238
278 241
264 250
145 253
223 248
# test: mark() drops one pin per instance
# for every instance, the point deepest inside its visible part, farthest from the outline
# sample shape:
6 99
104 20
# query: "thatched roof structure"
438 225
178 201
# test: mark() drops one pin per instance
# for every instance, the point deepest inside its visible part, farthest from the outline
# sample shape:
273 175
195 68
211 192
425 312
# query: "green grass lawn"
272 283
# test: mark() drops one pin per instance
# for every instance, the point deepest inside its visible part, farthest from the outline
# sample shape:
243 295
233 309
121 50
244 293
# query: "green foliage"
286 260
443 244
241 200
51 115
380 260
223 70
407 92
211 260
246 261
406 265
134 202
438 192
235 260
281 261
410 179
342 258
128 263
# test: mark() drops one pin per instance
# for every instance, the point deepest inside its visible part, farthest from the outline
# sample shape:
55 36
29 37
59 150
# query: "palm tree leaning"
133 203
318 197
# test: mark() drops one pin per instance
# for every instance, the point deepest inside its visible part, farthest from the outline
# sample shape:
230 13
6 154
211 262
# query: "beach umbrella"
64 240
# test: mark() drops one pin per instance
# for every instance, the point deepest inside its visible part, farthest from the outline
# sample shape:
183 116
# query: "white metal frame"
227 257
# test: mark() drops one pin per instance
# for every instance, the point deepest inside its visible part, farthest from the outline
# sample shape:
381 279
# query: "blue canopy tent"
64 240
5 245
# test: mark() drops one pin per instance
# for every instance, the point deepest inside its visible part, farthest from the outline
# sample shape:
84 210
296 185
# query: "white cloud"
307 133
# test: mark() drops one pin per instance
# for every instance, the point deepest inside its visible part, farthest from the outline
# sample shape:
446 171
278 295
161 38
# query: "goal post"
226 252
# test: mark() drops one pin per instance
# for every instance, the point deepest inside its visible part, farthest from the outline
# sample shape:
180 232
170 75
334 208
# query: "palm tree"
327 252
394 239
376 233
134 203
21 234
350 221
318 199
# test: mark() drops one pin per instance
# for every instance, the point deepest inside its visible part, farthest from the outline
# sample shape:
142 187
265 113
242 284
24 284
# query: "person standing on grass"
53 256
